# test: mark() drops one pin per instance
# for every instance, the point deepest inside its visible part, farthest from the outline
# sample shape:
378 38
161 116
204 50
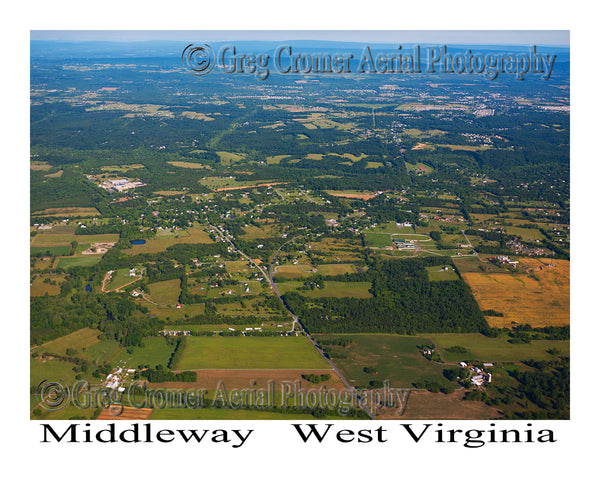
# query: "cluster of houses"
117 377
402 244
503 260
175 333
478 376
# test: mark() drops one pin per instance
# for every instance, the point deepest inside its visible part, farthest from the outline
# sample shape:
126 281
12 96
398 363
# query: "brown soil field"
243 187
69 212
540 301
37 165
198 116
240 379
426 405
423 146
361 196
125 413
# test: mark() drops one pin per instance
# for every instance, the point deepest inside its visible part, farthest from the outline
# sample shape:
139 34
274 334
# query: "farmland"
81 339
540 298
249 353
330 289
167 238
397 358
393 357
165 293
155 351
404 227
68 262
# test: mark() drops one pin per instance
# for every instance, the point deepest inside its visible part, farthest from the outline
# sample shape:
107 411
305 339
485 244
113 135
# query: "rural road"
470 244
349 387
269 278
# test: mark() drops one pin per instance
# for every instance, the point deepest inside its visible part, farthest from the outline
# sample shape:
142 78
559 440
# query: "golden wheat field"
539 296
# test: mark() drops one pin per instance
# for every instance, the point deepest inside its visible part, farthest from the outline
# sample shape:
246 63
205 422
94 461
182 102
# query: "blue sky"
473 37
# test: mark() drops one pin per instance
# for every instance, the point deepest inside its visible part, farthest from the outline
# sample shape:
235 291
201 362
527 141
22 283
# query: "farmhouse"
402 244
481 378
175 333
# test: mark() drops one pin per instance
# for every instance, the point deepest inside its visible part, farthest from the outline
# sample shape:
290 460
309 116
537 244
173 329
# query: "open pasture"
166 292
40 288
330 289
166 239
493 349
250 353
191 165
58 250
155 351
394 357
68 212
83 261
121 168
119 279
78 340
540 298
437 273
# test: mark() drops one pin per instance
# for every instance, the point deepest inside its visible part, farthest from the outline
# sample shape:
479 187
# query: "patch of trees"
547 386
316 378
432 386
338 341
404 301
159 375
454 374
492 313
178 352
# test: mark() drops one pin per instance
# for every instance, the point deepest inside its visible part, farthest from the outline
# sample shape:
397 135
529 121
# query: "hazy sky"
473 37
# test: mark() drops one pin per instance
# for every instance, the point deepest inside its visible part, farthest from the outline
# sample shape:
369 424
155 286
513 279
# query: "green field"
59 250
84 261
438 274
395 357
378 239
229 157
53 370
167 238
250 353
156 351
335 269
119 279
40 288
488 349
170 313
52 239
104 351
165 293
99 238
527 234
304 270
331 289
83 338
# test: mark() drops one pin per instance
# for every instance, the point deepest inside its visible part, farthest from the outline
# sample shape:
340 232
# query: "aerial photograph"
299 225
